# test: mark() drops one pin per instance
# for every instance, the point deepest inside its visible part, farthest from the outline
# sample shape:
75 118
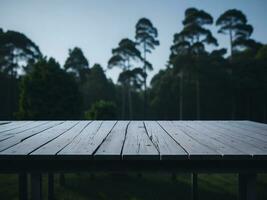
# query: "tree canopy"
16 51
48 92
77 63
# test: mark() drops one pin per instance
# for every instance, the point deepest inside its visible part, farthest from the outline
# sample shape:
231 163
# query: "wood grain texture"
16 138
32 143
168 148
89 139
136 140
56 145
137 143
214 139
195 148
113 144
244 144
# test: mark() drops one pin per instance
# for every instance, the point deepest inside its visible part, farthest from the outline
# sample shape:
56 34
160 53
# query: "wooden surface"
127 140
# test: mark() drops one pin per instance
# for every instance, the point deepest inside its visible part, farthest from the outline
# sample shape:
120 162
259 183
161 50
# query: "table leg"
36 186
194 186
247 186
23 186
50 186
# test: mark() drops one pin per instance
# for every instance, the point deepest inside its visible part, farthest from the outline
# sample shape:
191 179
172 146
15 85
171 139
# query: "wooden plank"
257 124
235 135
137 143
248 127
113 144
4 122
194 148
56 145
205 138
19 130
31 144
18 138
13 125
244 144
223 142
10 124
241 132
89 140
168 148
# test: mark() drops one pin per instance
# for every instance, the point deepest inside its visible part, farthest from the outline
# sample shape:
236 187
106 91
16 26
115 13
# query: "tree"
16 51
146 37
102 110
97 87
234 23
191 41
122 57
17 54
48 92
77 64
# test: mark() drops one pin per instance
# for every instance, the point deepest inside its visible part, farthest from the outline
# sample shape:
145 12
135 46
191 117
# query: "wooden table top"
134 140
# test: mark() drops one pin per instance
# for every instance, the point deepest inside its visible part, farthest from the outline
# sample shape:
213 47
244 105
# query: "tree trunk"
264 112
248 107
145 77
181 95
231 42
62 181
233 99
123 102
198 98
130 102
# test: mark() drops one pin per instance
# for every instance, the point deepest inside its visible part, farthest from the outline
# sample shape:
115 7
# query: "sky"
97 26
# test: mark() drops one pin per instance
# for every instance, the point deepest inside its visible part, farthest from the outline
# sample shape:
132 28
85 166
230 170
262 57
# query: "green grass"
150 186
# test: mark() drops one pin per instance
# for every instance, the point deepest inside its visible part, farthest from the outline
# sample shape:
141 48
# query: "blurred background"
133 60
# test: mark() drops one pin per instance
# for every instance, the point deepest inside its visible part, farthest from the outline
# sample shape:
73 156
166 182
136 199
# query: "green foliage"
124 54
97 87
196 79
194 36
9 92
48 92
16 50
77 64
146 36
122 57
102 110
234 23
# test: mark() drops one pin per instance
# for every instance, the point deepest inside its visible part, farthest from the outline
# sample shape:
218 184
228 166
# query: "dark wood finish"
36 186
247 186
50 186
189 146
194 186
23 186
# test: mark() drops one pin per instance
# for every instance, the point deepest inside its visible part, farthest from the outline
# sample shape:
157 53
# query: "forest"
195 84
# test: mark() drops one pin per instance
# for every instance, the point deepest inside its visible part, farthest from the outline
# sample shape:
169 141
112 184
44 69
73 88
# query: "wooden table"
38 147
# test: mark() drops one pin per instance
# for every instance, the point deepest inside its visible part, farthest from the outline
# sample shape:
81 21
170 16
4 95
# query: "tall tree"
191 40
122 57
146 37
234 23
77 64
16 52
